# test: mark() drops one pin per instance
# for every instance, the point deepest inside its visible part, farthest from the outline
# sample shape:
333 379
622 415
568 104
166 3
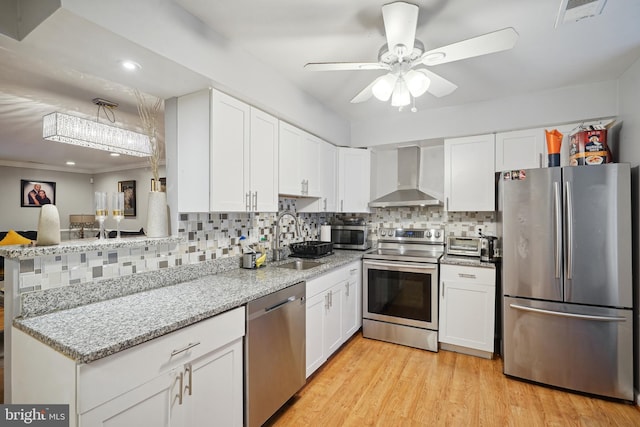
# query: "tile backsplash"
214 236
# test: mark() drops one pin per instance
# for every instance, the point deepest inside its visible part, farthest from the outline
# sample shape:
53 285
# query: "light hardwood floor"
373 383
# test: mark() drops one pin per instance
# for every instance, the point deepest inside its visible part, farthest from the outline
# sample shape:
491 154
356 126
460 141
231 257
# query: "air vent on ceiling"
575 10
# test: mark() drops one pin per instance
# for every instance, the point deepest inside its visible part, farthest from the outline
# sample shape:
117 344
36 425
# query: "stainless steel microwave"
351 237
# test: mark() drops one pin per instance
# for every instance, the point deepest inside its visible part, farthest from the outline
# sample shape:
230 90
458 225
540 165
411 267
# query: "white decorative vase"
157 215
48 226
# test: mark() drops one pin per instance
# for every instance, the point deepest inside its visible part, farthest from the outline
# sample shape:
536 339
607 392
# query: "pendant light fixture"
75 130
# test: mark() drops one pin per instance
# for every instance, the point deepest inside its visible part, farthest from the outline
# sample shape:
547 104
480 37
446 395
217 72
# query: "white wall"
164 28
629 147
566 105
73 196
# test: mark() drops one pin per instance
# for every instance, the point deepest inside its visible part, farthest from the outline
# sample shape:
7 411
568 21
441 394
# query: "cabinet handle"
446 204
247 201
325 204
353 271
326 302
185 348
467 276
306 187
346 285
341 205
330 298
255 201
189 368
442 290
180 380
541 156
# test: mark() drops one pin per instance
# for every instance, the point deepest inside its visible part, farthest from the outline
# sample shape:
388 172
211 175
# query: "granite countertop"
466 261
83 245
97 330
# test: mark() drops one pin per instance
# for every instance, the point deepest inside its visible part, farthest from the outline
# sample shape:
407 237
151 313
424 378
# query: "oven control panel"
425 235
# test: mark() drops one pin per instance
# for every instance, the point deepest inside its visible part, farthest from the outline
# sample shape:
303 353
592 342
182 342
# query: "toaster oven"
465 246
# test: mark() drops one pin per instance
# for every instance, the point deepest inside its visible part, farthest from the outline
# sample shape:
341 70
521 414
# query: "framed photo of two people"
34 193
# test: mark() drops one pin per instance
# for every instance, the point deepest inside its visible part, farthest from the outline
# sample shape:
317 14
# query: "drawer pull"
180 381
185 348
467 276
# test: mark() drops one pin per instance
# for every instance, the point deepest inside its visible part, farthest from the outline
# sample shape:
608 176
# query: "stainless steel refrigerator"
567 280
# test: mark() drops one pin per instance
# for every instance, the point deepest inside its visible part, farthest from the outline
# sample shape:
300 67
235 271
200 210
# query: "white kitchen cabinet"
354 179
263 162
467 309
334 312
522 149
469 180
185 378
352 301
227 155
328 163
299 170
244 157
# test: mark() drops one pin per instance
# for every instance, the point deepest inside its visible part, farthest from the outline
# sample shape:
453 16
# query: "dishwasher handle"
281 303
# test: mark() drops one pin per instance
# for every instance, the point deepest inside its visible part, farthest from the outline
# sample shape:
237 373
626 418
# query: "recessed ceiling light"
114 154
130 65
70 163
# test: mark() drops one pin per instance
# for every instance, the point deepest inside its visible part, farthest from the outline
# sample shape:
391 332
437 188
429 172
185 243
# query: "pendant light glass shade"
417 82
383 88
401 95
87 133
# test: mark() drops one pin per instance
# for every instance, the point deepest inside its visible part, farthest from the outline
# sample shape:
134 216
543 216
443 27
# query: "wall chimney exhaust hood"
408 193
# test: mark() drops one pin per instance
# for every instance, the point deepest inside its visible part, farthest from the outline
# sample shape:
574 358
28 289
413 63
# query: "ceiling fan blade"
345 66
496 41
365 93
400 22
439 86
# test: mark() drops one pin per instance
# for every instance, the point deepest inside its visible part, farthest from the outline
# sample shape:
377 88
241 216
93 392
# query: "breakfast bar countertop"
97 330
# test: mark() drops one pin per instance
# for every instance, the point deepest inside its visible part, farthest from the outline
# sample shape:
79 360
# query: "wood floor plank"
374 383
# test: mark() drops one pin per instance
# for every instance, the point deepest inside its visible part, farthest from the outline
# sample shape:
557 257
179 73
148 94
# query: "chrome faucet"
277 251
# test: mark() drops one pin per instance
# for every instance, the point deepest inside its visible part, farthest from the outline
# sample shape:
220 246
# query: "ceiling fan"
403 57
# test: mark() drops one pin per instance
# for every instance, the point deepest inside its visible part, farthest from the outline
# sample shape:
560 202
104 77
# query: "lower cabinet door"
147 405
315 354
333 319
467 315
213 390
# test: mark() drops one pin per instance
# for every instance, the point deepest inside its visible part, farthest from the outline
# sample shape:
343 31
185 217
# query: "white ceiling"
286 34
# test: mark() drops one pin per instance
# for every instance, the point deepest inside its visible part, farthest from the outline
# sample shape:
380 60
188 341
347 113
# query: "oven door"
403 293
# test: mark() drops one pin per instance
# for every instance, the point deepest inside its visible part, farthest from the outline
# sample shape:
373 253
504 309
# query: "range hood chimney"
407 193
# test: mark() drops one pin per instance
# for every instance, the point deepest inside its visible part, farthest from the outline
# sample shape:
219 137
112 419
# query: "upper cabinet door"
263 162
523 149
290 149
354 179
469 181
229 142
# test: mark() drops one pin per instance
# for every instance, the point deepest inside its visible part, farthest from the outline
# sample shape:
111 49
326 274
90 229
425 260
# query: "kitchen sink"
300 264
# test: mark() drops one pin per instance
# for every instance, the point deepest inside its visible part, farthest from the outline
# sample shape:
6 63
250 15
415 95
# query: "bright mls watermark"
34 415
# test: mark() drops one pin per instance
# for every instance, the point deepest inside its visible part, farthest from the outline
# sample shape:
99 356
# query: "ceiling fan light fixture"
384 87
417 83
401 96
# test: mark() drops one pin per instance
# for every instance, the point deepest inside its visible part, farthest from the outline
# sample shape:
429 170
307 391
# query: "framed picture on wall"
163 184
129 190
35 193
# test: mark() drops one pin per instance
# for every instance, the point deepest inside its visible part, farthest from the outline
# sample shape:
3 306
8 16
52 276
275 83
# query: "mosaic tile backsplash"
214 236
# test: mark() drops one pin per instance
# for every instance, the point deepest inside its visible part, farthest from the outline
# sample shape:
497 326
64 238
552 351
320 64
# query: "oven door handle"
425 266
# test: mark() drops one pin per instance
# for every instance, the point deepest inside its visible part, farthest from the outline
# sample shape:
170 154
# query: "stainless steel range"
400 287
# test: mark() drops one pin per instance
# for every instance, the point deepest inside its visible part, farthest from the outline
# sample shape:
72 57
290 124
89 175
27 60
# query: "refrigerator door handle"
569 223
571 315
558 219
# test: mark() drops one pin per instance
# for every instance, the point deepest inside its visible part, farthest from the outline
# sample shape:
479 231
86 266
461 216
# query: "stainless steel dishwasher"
274 351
